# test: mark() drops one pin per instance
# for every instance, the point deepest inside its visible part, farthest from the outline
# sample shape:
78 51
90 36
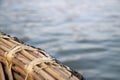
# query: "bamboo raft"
19 61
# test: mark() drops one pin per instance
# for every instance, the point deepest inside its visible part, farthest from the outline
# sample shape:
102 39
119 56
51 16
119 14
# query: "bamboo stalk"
24 56
32 57
7 42
43 73
56 76
18 67
17 76
37 77
4 48
2 75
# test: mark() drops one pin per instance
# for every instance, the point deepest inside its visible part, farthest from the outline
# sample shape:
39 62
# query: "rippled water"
83 34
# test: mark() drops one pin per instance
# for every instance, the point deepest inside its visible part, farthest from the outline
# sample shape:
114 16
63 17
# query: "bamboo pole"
2 76
24 62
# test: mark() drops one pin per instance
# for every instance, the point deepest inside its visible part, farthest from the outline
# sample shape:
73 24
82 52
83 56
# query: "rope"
32 64
11 54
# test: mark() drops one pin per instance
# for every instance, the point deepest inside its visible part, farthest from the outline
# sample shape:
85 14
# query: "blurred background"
82 34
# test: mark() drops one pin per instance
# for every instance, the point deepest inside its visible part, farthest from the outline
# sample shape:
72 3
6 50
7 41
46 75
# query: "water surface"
83 34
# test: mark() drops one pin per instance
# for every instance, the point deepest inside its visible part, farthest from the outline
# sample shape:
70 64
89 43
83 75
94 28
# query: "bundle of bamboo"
19 61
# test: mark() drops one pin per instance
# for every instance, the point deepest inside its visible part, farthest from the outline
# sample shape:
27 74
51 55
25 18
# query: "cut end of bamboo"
19 61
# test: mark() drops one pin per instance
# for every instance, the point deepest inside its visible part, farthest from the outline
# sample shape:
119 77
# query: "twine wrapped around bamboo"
19 61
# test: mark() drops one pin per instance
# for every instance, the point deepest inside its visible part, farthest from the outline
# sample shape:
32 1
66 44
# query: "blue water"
83 34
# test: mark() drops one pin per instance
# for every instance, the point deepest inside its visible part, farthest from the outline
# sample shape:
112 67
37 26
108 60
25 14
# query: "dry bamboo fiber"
2 75
23 62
